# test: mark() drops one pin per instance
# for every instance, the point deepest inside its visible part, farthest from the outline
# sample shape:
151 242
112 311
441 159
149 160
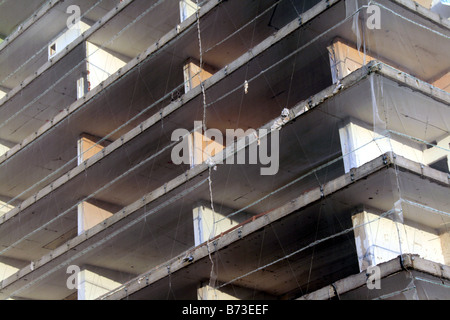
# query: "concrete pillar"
360 145
194 75
101 64
4 208
91 213
9 266
206 292
443 10
6 205
2 94
5 146
187 8
439 153
445 243
209 223
443 82
344 59
94 282
425 3
87 146
382 239
234 292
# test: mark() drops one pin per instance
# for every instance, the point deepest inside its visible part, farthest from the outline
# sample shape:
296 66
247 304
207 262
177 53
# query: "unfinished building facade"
257 149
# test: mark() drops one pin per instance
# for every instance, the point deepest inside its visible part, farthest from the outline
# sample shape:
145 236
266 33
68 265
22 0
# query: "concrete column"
360 145
425 3
344 59
9 266
202 146
194 75
234 292
443 82
432 155
206 292
87 146
6 204
5 146
101 64
94 282
4 208
209 223
382 239
187 9
2 94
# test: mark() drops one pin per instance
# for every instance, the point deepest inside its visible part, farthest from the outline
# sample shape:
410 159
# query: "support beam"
91 213
101 64
187 9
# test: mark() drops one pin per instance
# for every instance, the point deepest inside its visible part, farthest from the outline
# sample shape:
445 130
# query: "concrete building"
201 150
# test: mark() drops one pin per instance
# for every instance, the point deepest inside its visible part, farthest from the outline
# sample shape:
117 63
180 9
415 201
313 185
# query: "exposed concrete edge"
424 12
412 82
409 261
175 105
83 37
